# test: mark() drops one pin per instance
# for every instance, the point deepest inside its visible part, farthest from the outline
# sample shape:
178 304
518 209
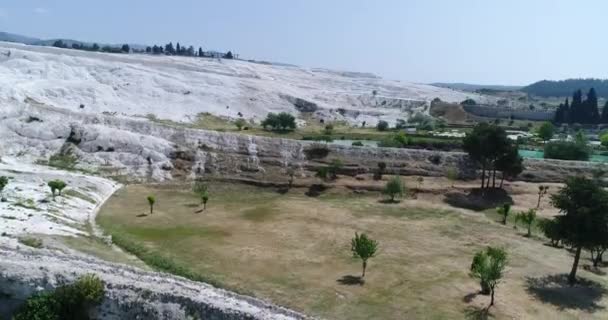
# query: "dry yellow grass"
293 250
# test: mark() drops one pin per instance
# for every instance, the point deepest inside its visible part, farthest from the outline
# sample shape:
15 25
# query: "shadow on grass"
350 280
469 297
477 199
594 270
555 290
477 313
141 215
389 201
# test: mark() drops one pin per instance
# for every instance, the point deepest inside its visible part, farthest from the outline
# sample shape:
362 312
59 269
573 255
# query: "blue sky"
475 41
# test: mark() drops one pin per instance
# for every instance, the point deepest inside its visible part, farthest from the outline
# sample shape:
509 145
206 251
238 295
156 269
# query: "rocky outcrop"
130 293
147 150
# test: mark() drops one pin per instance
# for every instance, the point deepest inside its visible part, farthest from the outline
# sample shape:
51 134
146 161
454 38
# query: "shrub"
357 144
3 183
551 230
566 150
240 123
280 122
528 218
68 302
382 125
63 161
394 187
316 151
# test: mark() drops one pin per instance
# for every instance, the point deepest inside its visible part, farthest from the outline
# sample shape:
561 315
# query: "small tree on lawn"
488 266
527 218
200 188
151 201
504 211
542 191
394 187
364 248
204 199
452 175
584 220
3 183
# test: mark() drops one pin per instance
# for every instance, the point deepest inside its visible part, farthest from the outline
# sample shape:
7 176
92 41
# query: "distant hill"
11 37
475 87
565 88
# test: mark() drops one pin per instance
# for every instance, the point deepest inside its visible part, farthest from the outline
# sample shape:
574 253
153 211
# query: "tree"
488 266
200 189
382 125
364 248
504 211
240 123
149 49
527 218
125 48
228 55
604 116
551 229
200 52
546 131
282 121
151 201
381 169
584 219
169 48
95 47
178 49
604 139
485 145
542 191
3 183
205 199
452 174
510 163
394 187
59 44
56 185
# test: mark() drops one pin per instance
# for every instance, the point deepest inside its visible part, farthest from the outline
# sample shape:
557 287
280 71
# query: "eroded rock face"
130 293
151 151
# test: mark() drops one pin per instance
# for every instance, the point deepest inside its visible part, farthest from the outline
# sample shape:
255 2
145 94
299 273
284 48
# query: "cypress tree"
591 107
576 108
200 52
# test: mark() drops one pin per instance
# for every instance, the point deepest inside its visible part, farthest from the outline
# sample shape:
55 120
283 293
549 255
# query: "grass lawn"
295 251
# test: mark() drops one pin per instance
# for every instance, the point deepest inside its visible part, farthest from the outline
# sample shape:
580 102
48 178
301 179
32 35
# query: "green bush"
382 125
68 302
567 150
357 144
280 122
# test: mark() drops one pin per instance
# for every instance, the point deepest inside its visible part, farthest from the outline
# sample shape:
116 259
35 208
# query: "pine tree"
169 48
200 52
178 48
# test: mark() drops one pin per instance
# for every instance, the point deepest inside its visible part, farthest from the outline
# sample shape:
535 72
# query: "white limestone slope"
179 88
29 208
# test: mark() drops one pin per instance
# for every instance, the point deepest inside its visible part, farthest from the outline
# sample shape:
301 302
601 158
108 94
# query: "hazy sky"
475 41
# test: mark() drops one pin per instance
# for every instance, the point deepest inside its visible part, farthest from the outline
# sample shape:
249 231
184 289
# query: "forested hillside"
565 88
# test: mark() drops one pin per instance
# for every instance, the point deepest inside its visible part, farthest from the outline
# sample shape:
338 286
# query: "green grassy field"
294 251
